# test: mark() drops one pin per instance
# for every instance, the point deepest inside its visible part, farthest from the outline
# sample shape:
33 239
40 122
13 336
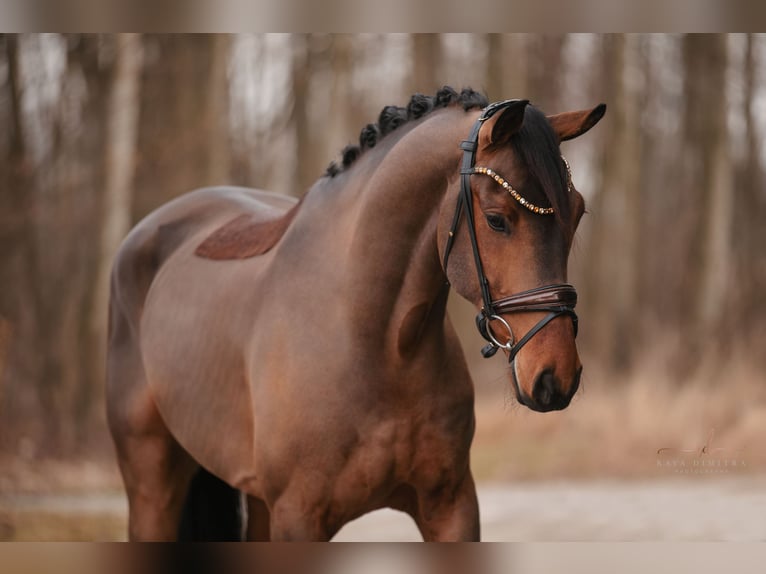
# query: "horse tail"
213 511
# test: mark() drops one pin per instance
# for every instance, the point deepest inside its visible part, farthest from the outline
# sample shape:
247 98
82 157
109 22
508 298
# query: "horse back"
204 213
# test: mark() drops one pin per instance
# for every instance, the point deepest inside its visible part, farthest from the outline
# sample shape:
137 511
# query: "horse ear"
500 127
569 125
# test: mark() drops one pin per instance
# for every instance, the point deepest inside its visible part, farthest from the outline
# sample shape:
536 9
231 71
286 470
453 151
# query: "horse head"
506 227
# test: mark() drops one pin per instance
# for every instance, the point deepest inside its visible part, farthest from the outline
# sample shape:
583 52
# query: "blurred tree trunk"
54 185
67 195
121 135
427 61
545 70
122 130
11 141
35 315
217 111
709 171
314 58
506 66
614 251
6 331
307 164
623 191
183 140
73 223
749 205
595 334
496 66
345 114
17 264
6 235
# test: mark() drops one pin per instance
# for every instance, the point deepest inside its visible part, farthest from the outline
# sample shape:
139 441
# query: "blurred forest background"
98 130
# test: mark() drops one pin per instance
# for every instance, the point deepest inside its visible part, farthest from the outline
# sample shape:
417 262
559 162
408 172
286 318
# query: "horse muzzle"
548 392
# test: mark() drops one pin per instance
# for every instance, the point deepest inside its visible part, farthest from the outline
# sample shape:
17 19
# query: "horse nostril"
545 388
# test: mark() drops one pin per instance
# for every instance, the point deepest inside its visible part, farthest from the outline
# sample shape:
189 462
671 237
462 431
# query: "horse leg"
294 518
453 518
155 469
258 518
156 472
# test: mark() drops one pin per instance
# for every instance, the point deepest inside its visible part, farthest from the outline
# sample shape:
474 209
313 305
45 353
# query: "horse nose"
548 394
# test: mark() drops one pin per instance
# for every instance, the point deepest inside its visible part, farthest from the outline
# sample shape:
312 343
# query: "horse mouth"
546 399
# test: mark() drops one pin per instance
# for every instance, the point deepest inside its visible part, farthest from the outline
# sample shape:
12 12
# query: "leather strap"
539 299
464 201
531 333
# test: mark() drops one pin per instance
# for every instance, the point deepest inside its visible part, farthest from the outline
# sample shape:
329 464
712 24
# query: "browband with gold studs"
516 195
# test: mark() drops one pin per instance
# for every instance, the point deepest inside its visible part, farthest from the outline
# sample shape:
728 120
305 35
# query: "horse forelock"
392 117
537 146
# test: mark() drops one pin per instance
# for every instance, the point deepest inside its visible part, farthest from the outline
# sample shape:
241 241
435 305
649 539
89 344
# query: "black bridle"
557 299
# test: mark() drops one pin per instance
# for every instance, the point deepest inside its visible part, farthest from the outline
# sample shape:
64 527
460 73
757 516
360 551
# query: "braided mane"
535 143
391 117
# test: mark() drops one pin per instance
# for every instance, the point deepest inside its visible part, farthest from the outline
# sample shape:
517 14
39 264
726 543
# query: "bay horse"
277 368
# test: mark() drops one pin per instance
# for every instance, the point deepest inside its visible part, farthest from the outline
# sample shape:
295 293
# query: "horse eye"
497 222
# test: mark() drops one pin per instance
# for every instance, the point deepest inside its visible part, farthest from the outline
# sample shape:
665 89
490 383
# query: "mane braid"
392 117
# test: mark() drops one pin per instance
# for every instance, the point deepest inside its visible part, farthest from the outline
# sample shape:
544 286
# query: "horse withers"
276 368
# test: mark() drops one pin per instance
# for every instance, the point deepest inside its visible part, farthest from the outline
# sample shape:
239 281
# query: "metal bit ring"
508 345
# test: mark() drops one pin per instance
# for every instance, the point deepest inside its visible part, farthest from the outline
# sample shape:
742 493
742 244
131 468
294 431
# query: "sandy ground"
705 509
694 508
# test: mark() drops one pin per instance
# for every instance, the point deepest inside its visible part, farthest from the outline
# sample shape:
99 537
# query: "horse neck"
397 288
